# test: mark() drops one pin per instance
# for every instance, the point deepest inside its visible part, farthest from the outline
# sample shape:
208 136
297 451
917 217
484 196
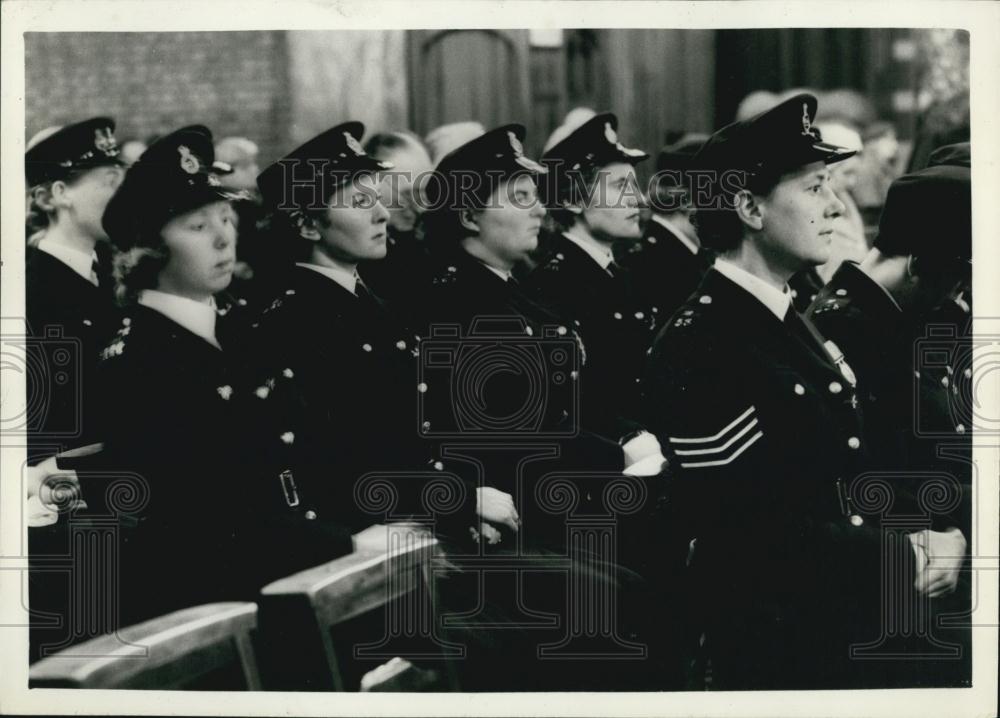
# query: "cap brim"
363 164
830 154
530 165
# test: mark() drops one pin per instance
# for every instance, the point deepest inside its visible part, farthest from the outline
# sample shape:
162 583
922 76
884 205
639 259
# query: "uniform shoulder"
692 332
445 273
832 301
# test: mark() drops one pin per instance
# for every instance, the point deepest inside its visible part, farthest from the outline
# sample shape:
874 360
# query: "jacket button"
835 387
310 515
854 442
799 389
856 520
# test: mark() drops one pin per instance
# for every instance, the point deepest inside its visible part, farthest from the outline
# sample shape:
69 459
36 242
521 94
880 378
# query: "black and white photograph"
508 358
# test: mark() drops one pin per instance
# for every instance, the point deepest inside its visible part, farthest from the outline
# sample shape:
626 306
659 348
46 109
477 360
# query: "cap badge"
189 163
104 140
515 144
807 128
609 133
353 144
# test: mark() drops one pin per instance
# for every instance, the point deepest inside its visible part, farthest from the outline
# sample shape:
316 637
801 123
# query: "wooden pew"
338 627
204 647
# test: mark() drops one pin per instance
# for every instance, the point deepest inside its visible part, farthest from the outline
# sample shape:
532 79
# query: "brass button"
310 515
854 442
835 387
856 520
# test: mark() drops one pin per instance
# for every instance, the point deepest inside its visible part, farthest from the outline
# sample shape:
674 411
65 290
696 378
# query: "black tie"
807 333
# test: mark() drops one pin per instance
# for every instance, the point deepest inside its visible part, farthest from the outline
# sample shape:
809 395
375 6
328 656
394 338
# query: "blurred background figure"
241 156
236 168
670 262
442 140
411 162
131 151
406 258
574 118
755 103
879 166
849 241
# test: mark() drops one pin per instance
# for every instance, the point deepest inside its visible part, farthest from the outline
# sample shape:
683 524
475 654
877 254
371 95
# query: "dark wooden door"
459 75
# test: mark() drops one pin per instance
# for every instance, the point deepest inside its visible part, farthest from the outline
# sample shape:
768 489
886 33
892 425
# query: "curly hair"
137 269
573 187
39 211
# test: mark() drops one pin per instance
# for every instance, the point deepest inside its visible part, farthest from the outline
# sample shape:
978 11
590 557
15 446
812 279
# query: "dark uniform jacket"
805 286
512 376
397 276
616 323
69 320
764 435
202 508
501 399
665 268
912 404
354 371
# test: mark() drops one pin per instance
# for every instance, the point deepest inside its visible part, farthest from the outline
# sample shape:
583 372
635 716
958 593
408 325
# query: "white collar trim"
684 239
774 299
348 280
80 262
197 317
597 251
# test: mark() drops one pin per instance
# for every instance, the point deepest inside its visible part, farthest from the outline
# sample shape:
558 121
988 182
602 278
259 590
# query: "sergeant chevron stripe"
736 437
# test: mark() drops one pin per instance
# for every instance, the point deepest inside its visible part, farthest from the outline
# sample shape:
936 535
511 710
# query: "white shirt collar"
197 317
505 276
776 300
597 251
685 240
80 262
347 279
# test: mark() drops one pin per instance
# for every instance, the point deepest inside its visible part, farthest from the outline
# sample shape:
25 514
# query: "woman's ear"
42 197
748 209
572 208
59 195
468 220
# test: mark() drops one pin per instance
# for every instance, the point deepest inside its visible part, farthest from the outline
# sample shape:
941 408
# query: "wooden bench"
204 647
340 625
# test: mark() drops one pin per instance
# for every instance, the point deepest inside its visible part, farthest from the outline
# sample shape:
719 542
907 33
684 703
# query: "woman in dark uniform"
207 509
501 372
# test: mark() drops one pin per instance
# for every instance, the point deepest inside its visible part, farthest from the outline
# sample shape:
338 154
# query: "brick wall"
152 83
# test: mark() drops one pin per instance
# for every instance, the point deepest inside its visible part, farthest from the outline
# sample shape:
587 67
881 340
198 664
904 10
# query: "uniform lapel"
760 328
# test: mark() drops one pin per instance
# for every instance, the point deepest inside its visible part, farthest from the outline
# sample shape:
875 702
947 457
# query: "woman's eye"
196 227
